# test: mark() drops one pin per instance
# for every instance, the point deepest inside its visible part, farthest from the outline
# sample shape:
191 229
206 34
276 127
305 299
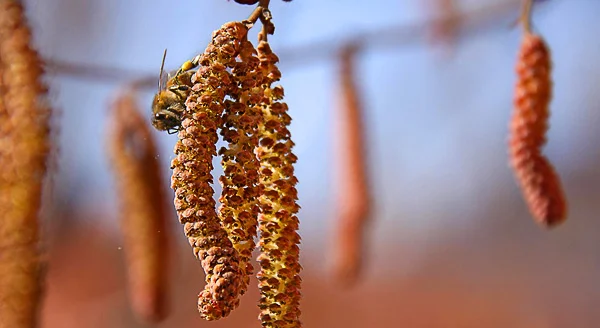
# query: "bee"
169 102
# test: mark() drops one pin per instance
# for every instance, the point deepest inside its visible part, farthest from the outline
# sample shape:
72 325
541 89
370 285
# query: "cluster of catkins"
233 94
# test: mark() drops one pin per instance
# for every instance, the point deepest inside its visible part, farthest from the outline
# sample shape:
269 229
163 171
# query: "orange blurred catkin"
24 150
132 151
278 280
539 182
354 200
191 179
444 31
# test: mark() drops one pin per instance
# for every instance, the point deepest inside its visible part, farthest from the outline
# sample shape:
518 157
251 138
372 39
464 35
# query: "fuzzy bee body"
169 102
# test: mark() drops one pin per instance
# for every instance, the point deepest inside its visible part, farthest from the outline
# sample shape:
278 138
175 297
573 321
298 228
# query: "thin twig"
254 16
526 15
476 21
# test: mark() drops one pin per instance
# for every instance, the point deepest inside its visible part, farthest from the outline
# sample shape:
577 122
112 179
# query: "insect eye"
161 116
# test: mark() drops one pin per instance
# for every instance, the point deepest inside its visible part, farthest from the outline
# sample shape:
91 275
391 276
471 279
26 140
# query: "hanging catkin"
191 179
354 201
444 30
279 280
240 121
142 212
539 182
24 149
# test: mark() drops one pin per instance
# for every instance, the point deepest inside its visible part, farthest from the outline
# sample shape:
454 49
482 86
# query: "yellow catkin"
24 149
143 215
191 179
279 280
539 182
240 121
354 200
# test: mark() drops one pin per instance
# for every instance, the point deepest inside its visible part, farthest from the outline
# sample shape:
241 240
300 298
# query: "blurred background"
451 243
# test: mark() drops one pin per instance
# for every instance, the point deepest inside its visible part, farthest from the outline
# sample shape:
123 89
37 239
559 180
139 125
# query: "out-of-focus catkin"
443 31
240 121
191 179
539 182
24 149
279 280
143 215
354 201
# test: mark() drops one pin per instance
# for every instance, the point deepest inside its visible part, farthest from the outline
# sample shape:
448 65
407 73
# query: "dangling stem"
249 22
526 15
264 32
265 19
259 12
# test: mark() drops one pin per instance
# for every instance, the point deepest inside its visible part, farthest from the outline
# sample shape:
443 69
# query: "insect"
169 102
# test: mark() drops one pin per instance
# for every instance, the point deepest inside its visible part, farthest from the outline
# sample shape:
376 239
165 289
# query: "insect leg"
181 90
179 87
188 65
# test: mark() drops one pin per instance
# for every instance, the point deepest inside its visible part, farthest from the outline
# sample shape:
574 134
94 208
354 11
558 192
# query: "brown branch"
255 15
392 37
476 21
100 73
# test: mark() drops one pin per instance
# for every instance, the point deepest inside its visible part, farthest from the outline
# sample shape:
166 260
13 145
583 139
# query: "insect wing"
163 79
169 78
162 76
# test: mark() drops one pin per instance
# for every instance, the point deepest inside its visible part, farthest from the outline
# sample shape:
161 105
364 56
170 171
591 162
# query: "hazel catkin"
279 279
24 149
191 179
239 128
354 199
143 216
539 182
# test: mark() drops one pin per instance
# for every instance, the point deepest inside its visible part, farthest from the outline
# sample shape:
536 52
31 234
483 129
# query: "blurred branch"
473 22
94 72
393 37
